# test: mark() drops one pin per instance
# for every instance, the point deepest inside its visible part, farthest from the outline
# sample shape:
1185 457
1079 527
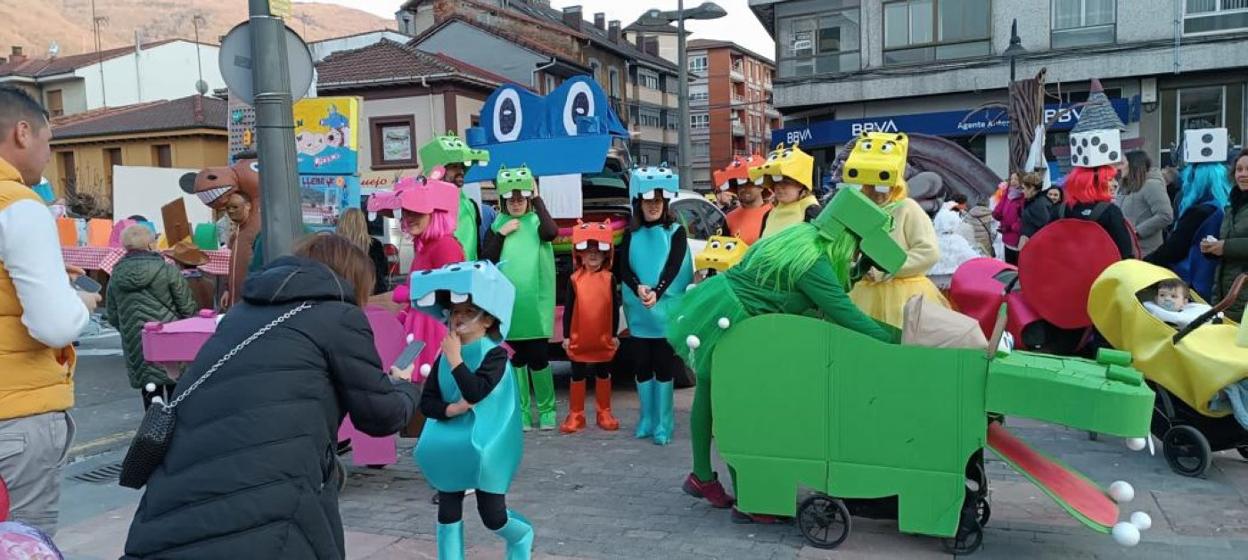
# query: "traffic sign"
235 61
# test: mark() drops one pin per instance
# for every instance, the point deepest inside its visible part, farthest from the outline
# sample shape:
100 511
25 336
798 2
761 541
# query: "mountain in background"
35 25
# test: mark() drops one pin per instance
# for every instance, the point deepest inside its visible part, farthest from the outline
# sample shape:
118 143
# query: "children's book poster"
322 199
327 135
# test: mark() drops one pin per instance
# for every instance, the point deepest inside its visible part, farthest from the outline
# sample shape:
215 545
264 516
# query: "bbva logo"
799 136
881 126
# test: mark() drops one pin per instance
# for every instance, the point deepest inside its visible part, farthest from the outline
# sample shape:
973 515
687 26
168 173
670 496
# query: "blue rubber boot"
518 534
451 541
645 417
665 417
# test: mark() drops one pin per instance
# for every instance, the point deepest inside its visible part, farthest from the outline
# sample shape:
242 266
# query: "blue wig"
1204 183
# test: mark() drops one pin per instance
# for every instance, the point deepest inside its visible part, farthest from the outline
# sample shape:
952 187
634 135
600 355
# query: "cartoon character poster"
322 198
327 135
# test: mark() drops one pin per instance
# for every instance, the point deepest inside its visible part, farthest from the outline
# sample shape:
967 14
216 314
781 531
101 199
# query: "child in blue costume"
519 242
472 439
655 269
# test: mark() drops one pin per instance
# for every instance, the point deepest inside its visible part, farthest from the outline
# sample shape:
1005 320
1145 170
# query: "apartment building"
730 109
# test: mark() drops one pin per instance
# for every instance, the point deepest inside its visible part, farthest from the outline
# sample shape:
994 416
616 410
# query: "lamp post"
1017 135
707 10
1015 49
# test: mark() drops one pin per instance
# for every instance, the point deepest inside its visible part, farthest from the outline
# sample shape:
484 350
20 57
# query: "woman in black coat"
250 469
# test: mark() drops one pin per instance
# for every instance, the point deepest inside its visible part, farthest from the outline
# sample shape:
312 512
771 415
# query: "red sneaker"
740 517
712 491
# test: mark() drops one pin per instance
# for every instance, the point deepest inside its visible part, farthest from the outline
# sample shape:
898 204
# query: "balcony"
773 112
738 128
736 74
651 96
767 86
646 133
738 99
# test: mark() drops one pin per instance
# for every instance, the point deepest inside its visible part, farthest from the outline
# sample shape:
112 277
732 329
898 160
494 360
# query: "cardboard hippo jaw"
422 195
852 211
481 283
784 162
737 173
877 158
720 254
214 185
449 149
514 182
648 182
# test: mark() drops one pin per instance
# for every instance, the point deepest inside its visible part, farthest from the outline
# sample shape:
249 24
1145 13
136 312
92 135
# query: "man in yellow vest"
40 316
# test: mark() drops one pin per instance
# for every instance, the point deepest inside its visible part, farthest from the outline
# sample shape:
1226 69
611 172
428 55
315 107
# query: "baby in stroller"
1172 303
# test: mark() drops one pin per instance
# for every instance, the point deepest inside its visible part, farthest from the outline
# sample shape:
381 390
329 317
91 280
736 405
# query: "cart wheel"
824 521
1243 451
1186 450
340 473
983 511
1093 436
969 538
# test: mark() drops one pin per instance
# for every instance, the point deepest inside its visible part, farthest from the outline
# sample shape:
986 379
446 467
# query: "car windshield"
700 218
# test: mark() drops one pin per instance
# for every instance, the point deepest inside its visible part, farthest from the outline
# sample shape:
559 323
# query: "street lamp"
708 10
1015 49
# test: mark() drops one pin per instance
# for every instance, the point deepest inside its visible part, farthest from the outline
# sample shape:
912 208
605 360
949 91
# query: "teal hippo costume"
482 448
804 269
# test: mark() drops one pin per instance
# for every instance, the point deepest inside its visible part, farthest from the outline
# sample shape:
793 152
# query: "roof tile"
155 116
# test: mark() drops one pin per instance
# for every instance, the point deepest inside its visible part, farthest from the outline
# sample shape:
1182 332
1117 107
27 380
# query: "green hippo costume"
803 269
450 151
527 258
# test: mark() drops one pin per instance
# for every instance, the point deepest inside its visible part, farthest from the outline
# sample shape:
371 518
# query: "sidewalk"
607 495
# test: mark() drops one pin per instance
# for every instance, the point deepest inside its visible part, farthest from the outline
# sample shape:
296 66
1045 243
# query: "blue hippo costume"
482 448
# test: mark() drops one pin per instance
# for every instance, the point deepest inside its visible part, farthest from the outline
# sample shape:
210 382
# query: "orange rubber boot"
575 421
602 395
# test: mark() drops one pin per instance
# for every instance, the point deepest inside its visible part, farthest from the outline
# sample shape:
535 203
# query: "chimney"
600 21
652 46
639 40
572 17
17 55
613 31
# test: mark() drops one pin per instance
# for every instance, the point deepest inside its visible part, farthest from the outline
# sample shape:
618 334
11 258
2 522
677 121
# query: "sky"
739 26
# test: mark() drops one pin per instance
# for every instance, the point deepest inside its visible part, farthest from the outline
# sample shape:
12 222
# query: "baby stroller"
1187 367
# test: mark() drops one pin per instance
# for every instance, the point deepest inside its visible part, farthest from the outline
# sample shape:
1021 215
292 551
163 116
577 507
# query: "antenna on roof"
54 49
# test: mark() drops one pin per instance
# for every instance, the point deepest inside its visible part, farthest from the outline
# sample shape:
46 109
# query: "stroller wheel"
969 538
1186 450
823 521
983 512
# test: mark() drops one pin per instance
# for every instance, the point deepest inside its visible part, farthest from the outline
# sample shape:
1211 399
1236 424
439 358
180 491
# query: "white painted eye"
508 116
715 244
866 146
580 103
255 166
887 148
730 246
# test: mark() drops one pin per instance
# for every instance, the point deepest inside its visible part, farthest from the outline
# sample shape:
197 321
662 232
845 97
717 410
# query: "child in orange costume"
591 318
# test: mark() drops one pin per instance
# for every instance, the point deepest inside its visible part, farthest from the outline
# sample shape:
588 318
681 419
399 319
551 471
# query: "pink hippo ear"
438 173
580 223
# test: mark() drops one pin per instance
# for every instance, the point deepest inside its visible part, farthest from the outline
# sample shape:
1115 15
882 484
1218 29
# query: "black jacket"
250 467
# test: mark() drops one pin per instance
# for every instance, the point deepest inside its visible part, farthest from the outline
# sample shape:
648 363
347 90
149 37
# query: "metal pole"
282 222
686 152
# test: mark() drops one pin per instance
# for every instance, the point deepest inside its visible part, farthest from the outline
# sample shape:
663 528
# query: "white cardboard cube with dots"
1095 148
1204 145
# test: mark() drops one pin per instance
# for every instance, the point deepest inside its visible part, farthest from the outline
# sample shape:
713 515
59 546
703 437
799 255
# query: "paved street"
599 495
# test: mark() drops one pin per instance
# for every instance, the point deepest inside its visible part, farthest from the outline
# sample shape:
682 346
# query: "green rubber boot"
664 423
544 390
522 387
451 541
645 416
518 534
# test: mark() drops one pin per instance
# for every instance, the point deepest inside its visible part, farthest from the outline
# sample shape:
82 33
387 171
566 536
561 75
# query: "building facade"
533 44
186 133
118 77
846 66
730 109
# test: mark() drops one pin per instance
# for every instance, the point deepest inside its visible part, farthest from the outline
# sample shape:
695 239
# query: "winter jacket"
1149 210
250 469
144 288
980 219
1009 213
1037 213
1234 252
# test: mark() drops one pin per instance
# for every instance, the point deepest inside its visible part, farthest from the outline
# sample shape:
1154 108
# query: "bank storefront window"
820 43
917 31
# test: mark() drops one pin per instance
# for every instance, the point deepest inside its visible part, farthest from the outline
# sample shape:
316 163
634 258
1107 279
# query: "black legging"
533 354
492 507
1011 256
652 358
582 371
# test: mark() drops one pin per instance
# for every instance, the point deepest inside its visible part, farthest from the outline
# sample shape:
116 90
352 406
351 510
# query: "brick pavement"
608 496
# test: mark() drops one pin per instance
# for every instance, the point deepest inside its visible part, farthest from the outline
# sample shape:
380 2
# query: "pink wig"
1089 186
441 224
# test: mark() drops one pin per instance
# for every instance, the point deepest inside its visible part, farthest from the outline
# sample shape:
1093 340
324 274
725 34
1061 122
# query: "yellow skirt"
886 301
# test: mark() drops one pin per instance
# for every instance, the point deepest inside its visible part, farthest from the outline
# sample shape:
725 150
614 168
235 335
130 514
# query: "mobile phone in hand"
86 284
409 354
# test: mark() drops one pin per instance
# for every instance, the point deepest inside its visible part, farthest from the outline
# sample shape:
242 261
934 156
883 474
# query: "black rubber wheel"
1243 451
376 467
340 473
824 521
969 538
983 511
1093 436
1187 451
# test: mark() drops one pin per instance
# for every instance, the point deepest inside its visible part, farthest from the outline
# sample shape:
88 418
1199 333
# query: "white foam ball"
425 369
150 387
693 342
1121 491
1136 444
1141 520
1126 534
724 322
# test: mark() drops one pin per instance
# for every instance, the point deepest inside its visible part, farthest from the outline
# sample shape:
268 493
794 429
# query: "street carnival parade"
1011 329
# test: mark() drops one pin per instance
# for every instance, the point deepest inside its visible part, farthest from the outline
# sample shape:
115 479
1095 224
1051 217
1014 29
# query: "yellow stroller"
1187 367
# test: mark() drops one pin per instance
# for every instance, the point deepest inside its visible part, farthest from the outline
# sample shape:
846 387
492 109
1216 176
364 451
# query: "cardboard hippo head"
215 186
595 234
433 292
720 254
737 173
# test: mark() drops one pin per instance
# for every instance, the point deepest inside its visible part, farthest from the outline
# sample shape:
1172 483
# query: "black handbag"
151 441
